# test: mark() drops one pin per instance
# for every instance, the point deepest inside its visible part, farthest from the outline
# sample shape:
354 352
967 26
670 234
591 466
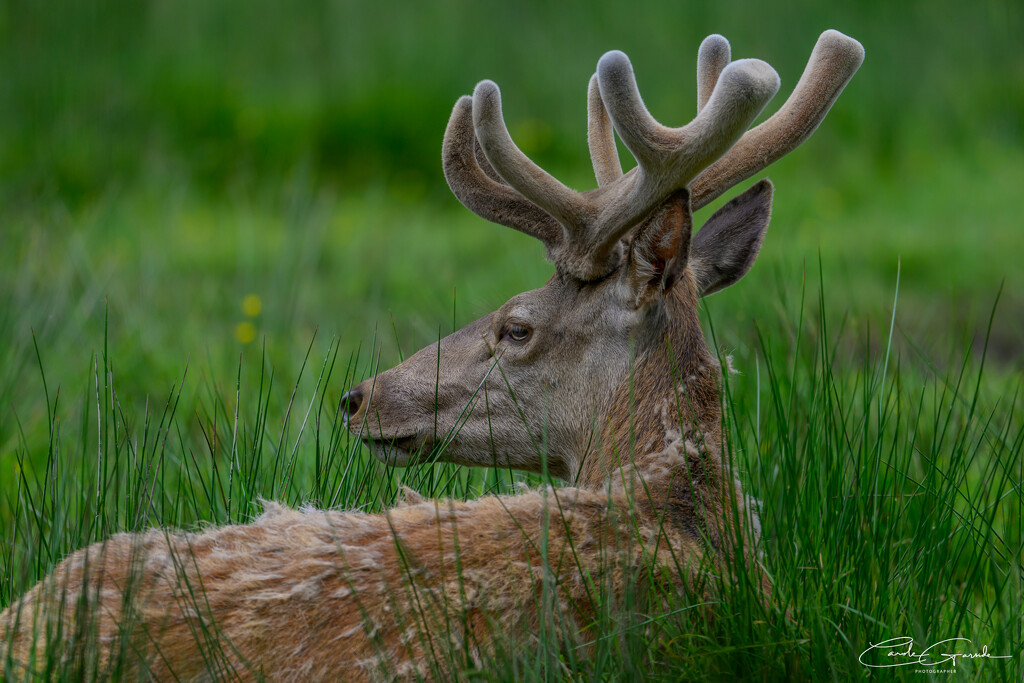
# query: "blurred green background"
163 163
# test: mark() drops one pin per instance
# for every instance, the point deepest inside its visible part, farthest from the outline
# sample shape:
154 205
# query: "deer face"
517 386
527 385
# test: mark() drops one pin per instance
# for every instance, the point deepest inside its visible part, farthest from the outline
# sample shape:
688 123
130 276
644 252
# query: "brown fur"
305 595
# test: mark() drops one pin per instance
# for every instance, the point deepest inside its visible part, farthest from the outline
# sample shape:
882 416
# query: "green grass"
889 462
889 479
160 163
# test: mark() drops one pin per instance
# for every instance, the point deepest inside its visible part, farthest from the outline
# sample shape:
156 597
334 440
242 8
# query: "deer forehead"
582 307
520 311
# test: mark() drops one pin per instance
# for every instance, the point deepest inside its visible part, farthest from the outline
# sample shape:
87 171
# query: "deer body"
304 595
312 595
601 377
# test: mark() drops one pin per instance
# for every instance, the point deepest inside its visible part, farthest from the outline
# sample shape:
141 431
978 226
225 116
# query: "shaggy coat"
310 594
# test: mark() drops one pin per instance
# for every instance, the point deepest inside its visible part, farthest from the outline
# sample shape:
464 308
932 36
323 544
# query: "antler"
494 179
712 58
479 187
834 61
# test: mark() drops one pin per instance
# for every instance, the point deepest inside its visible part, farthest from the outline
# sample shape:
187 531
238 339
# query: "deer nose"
351 402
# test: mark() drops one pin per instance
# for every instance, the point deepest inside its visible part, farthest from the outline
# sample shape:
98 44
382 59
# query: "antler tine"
481 158
834 61
477 185
533 182
669 158
637 129
601 137
712 58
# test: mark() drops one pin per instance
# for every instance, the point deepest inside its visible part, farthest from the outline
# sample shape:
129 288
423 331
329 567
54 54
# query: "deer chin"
395 451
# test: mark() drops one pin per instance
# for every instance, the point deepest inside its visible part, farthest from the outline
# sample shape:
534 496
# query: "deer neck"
665 415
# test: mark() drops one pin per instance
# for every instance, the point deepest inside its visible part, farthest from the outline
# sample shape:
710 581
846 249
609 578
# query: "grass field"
214 218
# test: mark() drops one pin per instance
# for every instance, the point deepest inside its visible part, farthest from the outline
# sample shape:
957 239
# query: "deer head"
565 377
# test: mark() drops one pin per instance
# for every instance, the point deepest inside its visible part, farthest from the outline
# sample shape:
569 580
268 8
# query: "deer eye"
517 333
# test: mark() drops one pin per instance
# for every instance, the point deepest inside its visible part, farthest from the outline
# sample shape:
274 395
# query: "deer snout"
351 402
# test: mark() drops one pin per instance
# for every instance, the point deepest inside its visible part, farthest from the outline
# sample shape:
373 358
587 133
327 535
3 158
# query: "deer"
601 378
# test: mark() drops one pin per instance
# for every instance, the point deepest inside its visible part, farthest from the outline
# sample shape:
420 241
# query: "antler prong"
712 58
833 62
743 89
517 169
481 159
481 192
601 137
637 129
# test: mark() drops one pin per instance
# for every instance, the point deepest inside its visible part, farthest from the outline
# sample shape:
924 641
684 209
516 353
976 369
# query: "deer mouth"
394 451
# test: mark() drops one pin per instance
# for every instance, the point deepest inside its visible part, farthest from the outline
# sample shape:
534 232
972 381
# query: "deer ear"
657 254
725 247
